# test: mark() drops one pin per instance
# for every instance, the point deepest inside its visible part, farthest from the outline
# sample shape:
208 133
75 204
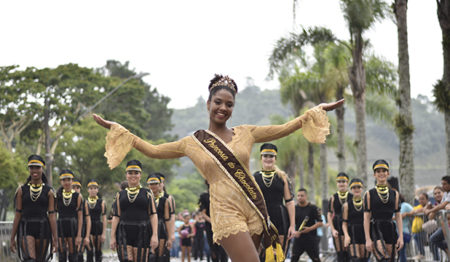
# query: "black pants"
218 254
308 244
198 247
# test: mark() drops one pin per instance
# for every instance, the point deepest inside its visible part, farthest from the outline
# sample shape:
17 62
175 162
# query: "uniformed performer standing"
307 219
163 211
335 215
34 220
70 218
97 213
134 227
353 218
86 227
274 185
380 205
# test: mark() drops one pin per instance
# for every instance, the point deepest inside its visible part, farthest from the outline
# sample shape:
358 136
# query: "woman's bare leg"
130 253
31 250
162 242
189 254
240 247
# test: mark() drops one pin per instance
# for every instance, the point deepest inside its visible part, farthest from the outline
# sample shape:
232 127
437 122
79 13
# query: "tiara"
224 81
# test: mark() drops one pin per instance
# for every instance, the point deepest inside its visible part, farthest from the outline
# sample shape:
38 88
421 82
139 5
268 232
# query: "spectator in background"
175 251
405 209
437 238
418 233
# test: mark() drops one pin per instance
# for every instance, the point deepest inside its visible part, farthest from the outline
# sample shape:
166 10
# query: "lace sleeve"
119 141
313 122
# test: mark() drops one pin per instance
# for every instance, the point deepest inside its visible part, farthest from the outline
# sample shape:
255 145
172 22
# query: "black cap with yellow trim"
381 163
92 182
134 165
36 160
66 173
356 182
342 176
161 176
76 182
153 178
268 149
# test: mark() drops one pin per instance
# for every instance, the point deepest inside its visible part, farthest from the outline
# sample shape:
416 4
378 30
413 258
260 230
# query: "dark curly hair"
217 78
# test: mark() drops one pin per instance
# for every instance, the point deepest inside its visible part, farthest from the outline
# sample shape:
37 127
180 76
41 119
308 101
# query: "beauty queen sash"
236 171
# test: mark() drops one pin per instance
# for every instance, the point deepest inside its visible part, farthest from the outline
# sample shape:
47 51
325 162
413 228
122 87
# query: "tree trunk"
311 180
358 84
443 12
324 170
48 155
447 131
291 170
301 173
404 124
340 111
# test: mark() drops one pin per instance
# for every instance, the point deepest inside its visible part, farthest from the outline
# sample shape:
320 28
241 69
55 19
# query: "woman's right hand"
334 233
13 245
113 244
369 245
346 241
104 123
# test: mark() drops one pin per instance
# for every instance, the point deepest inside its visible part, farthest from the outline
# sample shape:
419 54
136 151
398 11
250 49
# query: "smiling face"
35 172
220 107
268 161
437 193
155 187
381 175
93 191
133 178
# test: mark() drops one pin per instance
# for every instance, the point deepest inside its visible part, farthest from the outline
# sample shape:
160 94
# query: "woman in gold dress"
235 222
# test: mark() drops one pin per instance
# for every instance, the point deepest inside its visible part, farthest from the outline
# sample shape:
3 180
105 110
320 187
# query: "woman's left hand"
86 242
103 238
399 244
291 232
332 106
78 242
154 242
169 244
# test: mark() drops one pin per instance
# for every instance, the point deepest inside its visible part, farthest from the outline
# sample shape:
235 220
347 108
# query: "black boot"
98 255
89 255
62 256
73 257
80 256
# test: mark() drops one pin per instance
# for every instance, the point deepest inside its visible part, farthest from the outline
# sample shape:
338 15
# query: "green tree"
186 191
360 16
441 89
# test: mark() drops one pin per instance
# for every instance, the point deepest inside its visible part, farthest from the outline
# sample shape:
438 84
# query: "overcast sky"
183 43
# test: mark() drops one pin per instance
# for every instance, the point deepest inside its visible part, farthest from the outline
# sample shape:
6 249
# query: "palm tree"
403 122
441 89
360 16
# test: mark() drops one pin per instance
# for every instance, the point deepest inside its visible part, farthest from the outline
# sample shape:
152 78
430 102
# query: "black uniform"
337 208
382 227
160 210
95 212
217 251
274 196
308 242
34 222
355 224
134 228
67 221
199 240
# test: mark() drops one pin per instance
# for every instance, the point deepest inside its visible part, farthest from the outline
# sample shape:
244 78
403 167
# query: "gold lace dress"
230 212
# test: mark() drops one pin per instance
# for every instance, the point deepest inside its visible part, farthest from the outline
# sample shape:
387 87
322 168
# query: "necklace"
67 197
92 202
35 191
357 203
267 177
342 197
383 193
132 193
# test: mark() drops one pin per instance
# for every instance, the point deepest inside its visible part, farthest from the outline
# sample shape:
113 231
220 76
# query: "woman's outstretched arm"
119 142
314 122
